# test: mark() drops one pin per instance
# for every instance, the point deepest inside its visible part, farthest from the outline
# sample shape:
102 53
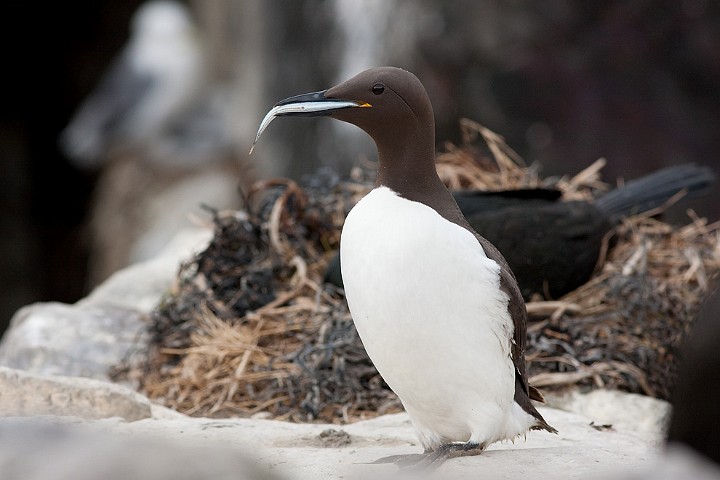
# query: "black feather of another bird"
551 247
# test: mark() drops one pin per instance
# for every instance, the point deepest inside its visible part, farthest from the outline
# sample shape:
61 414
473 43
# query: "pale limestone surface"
302 451
639 415
296 451
29 394
60 448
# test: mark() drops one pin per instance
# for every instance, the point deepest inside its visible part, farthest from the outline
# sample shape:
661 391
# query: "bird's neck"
408 169
405 171
407 163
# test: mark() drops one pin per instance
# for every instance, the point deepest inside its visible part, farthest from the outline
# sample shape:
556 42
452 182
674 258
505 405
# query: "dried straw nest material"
249 327
623 328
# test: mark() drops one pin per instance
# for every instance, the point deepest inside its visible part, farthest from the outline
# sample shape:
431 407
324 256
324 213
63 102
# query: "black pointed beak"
306 105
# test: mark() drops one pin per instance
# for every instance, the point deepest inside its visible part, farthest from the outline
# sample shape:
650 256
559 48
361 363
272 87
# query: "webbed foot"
450 450
434 458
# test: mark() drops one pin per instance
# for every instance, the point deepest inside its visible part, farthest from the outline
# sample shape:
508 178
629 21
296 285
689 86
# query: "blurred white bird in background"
157 78
157 129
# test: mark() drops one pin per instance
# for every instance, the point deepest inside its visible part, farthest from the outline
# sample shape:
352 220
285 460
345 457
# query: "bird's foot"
451 450
433 459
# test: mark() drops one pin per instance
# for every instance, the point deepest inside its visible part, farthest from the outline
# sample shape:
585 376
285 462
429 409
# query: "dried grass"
249 328
630 319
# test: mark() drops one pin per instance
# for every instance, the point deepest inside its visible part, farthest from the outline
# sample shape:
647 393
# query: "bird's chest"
416 282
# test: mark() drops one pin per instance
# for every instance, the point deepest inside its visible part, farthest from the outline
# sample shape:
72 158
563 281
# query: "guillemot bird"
435 304
149 87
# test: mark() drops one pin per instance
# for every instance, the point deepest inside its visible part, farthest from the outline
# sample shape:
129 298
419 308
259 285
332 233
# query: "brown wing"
516 307
518 312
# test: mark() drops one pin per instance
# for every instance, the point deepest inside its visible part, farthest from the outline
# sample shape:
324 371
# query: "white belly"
426 302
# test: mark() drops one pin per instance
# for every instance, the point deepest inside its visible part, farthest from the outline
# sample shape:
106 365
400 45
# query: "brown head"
400 115
392 106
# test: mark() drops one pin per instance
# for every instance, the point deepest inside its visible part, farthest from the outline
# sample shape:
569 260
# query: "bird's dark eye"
378 88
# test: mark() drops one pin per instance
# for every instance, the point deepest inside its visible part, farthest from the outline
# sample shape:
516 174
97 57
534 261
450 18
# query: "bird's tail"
652 190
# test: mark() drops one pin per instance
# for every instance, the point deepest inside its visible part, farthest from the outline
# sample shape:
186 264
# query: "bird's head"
386 102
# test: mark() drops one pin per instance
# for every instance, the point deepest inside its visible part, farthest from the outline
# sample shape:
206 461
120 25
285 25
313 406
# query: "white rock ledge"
28 394
297 451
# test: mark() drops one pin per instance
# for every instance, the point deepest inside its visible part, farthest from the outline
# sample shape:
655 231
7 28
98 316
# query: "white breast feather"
427 304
